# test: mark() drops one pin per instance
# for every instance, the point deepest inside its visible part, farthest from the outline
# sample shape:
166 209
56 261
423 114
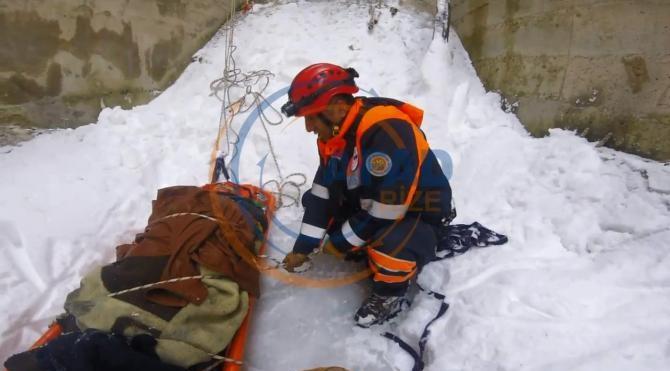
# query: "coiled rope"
241 92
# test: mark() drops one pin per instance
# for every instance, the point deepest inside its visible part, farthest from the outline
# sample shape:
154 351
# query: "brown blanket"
179 237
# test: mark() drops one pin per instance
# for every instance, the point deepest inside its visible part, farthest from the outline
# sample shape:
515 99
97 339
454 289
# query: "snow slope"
583 284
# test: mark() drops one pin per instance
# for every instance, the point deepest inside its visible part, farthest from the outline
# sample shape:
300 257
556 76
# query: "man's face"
314 124
335 112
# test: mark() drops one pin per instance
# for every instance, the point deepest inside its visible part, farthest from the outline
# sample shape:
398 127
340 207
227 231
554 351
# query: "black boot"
378 309
456 239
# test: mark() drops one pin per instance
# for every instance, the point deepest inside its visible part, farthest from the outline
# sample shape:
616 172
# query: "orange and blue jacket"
376 170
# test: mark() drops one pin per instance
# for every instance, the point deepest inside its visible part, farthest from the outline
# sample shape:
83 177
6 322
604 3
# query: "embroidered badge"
378 164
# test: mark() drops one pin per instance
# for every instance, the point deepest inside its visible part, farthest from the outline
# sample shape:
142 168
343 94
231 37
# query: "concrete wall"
62 60
598 66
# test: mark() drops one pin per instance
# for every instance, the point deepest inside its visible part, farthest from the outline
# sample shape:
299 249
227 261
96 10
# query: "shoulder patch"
378 164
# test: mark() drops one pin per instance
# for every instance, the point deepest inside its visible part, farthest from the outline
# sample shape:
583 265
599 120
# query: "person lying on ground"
174 298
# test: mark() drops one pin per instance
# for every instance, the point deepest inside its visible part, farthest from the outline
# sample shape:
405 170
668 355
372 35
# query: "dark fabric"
168 248
136 271
92 350
423 244
314 215
122 323
459 238
68 323
26 361
187 241
253 214
394 138
409 239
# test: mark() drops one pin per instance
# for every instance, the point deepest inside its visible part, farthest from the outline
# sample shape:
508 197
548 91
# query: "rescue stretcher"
237 346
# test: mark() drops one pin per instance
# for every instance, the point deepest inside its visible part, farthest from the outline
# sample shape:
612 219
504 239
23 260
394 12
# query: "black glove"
356 255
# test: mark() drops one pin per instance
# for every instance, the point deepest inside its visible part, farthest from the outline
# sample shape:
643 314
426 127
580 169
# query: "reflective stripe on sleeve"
320 191
351 236
391 263
386 278
385 211
312 231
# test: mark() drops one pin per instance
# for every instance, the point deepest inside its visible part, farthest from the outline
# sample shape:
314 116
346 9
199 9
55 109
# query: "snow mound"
583 284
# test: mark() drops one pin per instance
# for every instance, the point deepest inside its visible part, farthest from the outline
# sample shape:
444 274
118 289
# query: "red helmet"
313 87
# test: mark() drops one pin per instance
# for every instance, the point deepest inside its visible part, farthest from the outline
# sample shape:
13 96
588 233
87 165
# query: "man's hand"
294 260
330 249
356 255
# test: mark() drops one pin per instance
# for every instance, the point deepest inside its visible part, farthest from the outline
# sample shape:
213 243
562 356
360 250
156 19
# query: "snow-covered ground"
584 283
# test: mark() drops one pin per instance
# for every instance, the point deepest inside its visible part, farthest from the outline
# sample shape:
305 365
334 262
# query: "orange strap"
390 263
380 261
380 113
338 143
387 278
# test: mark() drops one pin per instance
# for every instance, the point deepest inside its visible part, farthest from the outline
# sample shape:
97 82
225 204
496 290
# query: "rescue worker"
379 190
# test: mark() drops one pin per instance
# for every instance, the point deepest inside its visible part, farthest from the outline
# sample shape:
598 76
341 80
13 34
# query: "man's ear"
336 107
342 107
